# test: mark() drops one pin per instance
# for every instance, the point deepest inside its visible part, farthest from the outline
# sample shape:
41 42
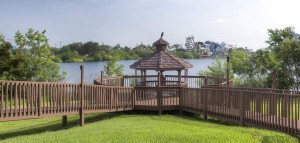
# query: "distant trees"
32 60
92 51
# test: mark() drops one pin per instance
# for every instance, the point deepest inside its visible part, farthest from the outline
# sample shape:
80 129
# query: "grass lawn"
134 128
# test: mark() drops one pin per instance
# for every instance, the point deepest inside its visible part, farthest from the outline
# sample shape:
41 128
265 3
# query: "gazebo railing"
166 80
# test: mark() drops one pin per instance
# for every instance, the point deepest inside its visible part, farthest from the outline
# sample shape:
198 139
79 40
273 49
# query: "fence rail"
168 80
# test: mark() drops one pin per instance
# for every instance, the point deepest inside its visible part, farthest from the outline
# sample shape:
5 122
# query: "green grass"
134 128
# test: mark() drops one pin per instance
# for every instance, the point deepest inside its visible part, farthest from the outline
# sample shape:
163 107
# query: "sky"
131 22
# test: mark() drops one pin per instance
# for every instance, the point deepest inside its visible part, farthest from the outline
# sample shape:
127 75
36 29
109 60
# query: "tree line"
93 51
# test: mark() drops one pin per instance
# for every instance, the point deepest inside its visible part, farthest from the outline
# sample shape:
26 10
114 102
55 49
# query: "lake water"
92 69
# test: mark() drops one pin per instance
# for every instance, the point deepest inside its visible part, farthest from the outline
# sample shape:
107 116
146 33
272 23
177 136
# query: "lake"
92 69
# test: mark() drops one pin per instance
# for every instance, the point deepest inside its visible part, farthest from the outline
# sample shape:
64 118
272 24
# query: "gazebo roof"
160 42
161 59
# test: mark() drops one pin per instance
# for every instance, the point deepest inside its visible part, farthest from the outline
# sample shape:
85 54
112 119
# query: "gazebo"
161 91
161 60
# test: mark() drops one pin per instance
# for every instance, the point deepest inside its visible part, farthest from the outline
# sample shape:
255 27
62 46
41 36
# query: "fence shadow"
56 125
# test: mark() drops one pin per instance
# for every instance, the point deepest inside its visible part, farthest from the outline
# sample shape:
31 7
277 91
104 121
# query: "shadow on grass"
56 125
186 115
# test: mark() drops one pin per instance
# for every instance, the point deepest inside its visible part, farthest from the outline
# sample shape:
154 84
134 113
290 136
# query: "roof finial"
162 34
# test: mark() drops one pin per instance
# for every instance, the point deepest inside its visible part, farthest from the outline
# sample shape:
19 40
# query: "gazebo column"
135 77
186 72
162 79
159 93
142 79
144 76
179 77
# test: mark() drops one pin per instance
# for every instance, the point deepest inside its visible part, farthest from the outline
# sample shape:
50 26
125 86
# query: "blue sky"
131 22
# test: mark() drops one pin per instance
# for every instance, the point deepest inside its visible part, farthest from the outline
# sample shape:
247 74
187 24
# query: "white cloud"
219 20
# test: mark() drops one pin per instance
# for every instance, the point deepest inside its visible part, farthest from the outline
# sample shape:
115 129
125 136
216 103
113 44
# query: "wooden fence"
267 108
22 100
271 110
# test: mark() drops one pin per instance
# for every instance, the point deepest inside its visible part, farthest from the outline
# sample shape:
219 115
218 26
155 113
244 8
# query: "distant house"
215 47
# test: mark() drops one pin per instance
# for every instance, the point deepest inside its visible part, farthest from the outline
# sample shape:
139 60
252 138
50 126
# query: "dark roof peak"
161 41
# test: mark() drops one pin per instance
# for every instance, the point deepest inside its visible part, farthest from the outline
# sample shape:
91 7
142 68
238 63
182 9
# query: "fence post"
111 98
159 94
205 80
180 100
39 99
122 81
81 112
242 111
133 97
205 102
101 78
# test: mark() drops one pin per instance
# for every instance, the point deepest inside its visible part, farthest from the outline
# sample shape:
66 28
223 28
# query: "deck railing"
272 110
20 100
268 108
168 80
158 98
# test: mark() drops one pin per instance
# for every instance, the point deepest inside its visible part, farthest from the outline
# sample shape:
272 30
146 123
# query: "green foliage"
135 128
5 58
218 69
285 45
40 65
241 62
92 51
112 68
31 61
278 66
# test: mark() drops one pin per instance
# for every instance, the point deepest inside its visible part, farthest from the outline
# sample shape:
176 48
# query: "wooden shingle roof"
161 60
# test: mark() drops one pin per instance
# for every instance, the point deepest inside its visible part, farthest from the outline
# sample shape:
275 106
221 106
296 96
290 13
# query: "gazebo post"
142 79
162 80
179 77
145 77
135 77
159 94
186 72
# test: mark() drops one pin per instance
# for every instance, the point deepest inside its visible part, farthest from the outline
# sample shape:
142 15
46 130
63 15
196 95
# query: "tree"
40 66
89 48
5 57
217 69
277 66
112 68
265 63
285 45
